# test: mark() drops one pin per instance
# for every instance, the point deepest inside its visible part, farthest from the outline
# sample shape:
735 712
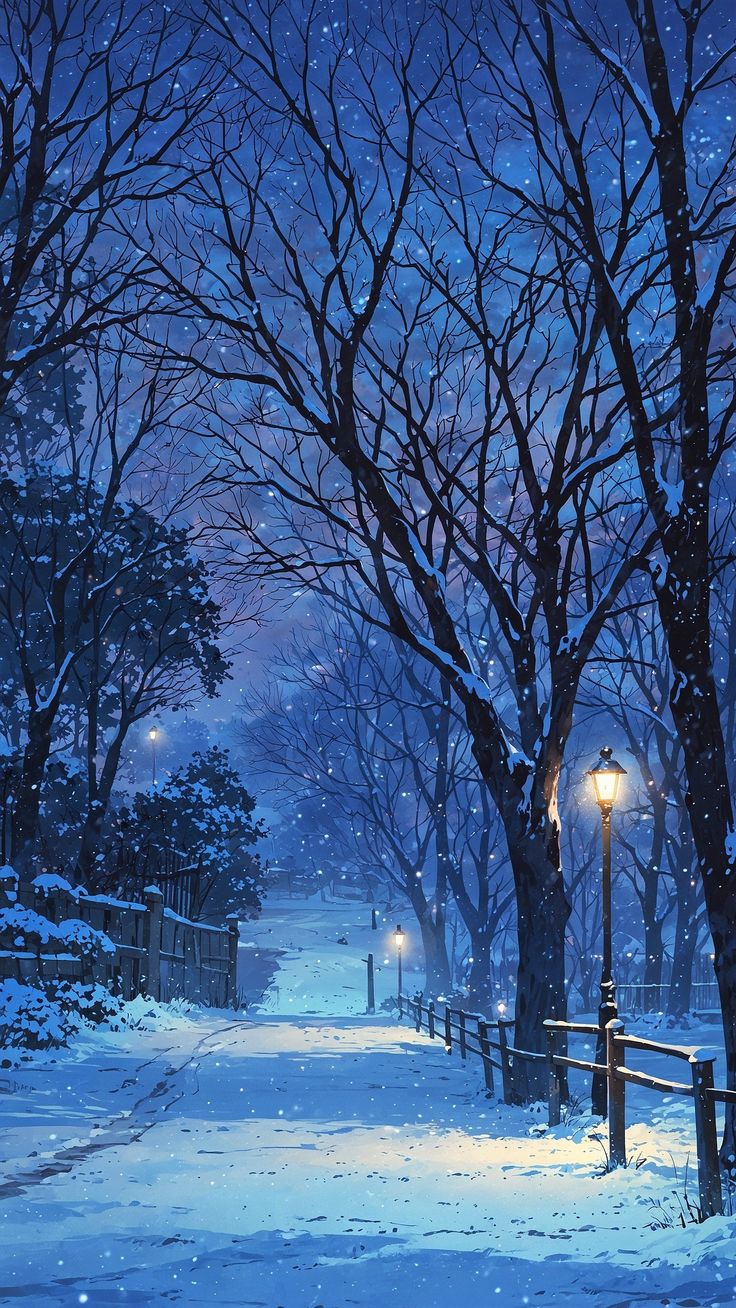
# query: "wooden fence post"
233 926
374 920
554 1086
371 986
430 1019
616 1058
505 1063
709 1168
151 981
462 1017
485 1049
448 1028
418 1011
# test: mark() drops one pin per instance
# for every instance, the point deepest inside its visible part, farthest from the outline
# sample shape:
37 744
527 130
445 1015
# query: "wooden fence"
638 997
157 953
472 1033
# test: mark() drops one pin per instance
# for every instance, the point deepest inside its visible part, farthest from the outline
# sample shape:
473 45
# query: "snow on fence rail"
156 952
471 1032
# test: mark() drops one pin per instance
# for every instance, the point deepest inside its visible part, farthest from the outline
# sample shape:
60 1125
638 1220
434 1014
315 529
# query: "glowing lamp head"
606 776
153 733
399 937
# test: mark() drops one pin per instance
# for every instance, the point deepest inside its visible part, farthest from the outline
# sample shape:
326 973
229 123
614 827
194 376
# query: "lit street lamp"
399 938
606 776
153 736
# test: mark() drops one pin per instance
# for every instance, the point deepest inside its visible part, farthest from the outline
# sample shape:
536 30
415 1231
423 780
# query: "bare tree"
348 732
373 733
389 400
617 171
631 687
95 108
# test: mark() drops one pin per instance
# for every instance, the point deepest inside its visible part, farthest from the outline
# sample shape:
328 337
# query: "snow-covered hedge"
30 1019
42 1014
23 928
33 1019
85 940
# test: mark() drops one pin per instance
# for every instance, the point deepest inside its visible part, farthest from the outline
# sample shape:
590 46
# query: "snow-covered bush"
91 1004
46 1016
48 882
31 1019
23 928
84 940
38 1012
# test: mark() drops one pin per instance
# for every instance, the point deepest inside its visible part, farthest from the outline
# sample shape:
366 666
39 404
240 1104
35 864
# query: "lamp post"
153 736
606 776
399 939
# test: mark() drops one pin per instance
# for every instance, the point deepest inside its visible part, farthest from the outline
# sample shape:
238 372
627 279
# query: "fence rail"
640 997
156 952
472 1033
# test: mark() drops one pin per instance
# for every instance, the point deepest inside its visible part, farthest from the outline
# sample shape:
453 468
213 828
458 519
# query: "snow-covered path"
307 1155
302 1162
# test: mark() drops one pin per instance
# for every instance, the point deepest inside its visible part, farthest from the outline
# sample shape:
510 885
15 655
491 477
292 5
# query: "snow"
635 89
314 974
28 1016
17 924
83 938
40 703
423 560
306 1154
673 493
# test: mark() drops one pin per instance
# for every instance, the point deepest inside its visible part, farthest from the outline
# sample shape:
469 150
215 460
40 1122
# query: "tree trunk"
652 961
98 808
684 610
28 799
479 979
542 914
686 939
436 962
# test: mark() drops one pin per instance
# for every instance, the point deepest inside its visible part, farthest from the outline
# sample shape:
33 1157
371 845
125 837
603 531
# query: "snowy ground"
308 1156
312 956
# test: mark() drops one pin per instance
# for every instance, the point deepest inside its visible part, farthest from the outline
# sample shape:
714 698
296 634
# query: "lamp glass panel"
606 786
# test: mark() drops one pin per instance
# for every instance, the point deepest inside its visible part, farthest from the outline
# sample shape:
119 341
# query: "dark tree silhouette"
378 328
95 108
651 231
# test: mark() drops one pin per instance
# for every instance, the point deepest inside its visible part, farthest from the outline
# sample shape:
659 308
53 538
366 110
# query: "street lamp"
606 776
153 736
399 939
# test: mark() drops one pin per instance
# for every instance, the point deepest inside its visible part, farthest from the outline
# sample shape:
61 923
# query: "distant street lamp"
153 736
399 939
606 776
